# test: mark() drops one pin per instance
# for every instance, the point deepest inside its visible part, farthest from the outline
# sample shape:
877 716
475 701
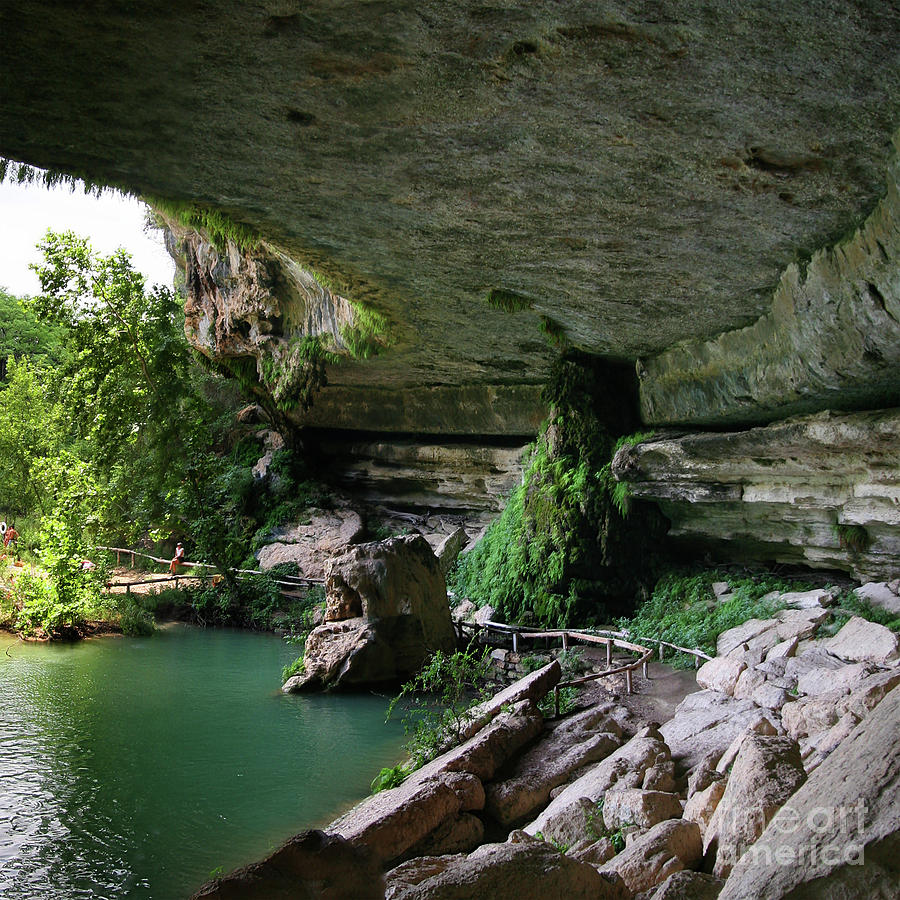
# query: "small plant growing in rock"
294 668
854 538
390 777
442 695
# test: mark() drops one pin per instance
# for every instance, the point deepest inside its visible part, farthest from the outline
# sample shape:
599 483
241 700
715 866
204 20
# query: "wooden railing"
610 639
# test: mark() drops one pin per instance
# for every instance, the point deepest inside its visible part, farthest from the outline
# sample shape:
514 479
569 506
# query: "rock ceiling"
638 173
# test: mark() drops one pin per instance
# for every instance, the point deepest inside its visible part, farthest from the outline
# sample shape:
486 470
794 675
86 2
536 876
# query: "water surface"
136 767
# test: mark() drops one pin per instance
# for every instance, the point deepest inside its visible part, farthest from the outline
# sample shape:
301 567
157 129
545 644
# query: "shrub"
390 777
294 668
682 609
443 692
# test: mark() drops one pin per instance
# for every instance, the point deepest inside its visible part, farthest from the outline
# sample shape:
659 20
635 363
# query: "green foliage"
849 603
597 828
568 700
295 376
683 609
854 538
562 550
508 301
294 668
442 694
368 335
218 226
22 173
390 777
24 336
554 332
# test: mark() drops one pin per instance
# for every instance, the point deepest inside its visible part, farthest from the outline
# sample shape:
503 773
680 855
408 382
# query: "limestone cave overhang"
487 183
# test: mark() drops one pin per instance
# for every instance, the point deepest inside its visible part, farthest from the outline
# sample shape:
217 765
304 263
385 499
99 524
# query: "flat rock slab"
486 751
511 871
389 823
863 641
705 722
568 816
881 594
533 687
816 599
800 623
847 812
579 741
742 634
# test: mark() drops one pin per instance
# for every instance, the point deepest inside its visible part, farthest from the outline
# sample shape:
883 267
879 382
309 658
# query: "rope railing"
282 581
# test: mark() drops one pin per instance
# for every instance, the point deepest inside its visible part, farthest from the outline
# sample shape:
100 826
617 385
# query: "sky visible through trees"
109 222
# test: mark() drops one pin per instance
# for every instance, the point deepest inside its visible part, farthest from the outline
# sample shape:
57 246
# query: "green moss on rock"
564 551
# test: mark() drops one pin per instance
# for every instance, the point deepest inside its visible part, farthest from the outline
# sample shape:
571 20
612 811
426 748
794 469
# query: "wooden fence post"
565 640
608 654
628 685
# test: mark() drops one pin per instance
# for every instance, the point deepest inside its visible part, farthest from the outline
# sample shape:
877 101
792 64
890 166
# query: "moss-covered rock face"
567 548
631 174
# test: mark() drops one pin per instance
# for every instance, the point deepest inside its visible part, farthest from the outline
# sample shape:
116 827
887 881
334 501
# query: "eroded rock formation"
386 611
821 489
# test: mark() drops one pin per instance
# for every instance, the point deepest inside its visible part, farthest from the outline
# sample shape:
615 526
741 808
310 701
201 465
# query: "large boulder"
704 723
687 885
569 817
386 611
720 674
863 641
755 632
388 824
530 870
311 543
576 742
838 837
310 866
650 859
766 772
492 746
882 595
640 808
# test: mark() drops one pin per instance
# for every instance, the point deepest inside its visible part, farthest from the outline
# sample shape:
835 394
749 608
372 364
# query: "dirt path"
654 699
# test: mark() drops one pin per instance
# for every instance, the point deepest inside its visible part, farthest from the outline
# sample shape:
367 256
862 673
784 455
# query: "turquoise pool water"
136 767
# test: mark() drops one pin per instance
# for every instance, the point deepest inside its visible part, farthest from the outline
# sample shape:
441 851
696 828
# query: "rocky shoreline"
787 750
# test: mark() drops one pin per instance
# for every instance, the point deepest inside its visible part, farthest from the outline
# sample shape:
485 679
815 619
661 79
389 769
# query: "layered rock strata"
821 490
830 340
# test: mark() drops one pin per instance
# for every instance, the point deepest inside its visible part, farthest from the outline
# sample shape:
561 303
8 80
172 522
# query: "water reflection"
135 767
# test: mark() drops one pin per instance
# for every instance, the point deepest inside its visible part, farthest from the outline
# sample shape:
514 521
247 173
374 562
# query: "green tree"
23 336
150 422
30 433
